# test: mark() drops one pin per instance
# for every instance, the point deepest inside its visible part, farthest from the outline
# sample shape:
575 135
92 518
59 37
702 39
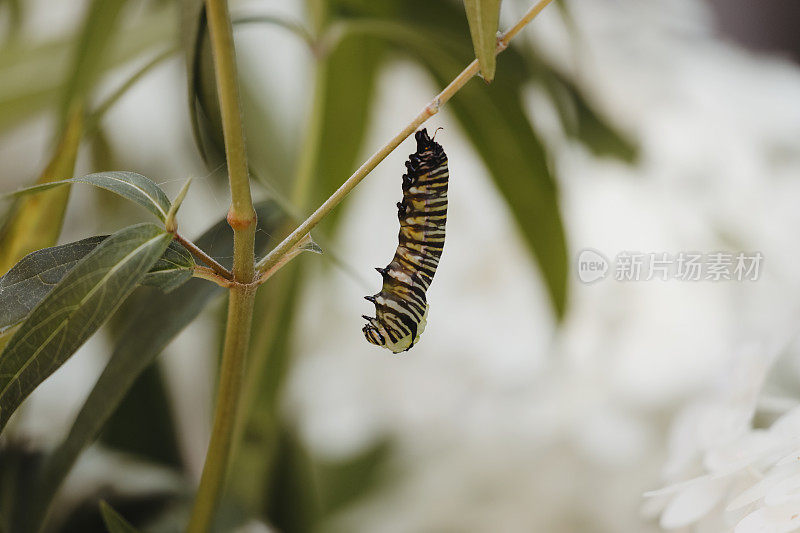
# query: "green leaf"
129 185
114 521
292 500
162 317
172 270
170 223
494 120
75 309
483 17
582 122
143 407
346 481
203 108
35 223
30 280
347 81
98 32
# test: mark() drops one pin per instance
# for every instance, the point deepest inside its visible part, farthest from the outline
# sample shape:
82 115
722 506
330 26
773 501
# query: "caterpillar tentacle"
401 307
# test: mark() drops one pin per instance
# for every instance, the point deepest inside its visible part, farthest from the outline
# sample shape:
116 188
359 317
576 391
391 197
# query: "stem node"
240 224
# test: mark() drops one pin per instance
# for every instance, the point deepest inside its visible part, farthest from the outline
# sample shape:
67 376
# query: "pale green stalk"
242 218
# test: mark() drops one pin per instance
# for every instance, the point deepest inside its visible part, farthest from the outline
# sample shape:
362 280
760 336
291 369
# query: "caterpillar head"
374 332
424 142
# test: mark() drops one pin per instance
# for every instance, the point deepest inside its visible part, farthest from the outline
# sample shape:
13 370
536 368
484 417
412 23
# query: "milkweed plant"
153 278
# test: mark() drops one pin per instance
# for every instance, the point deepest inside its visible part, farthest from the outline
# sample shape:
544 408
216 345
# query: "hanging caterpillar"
401 306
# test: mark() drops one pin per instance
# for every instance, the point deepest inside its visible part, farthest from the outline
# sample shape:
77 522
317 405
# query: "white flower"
745 479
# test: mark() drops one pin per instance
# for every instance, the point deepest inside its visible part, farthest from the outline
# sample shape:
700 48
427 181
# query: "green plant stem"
237 337
274 256
241 215
242 219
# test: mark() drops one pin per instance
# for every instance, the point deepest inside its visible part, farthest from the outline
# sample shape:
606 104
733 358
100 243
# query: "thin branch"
209 275
306 244
274 257
204 257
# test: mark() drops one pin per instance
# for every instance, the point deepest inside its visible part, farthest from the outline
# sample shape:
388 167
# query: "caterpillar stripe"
401 308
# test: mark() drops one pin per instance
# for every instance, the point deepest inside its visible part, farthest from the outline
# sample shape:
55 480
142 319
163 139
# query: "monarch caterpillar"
401 308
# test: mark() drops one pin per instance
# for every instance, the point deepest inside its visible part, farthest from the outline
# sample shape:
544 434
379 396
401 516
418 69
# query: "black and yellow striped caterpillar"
401 306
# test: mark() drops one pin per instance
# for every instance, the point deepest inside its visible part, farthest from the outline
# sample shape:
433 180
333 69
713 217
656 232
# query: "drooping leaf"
347 79
129 185
99 25
48 64
292 500
114 521
483 17
494 120
74 309
343 482
162 317
35 222
144 407
581 121
201 85
30 280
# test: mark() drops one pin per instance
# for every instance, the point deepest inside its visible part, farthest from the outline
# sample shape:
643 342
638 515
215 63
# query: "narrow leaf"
75 309
25 285
201 85
162 317
35 222
581 121
114 521
170 222
102 17
347 80
483 17
129 185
